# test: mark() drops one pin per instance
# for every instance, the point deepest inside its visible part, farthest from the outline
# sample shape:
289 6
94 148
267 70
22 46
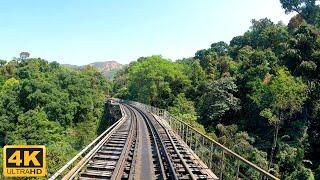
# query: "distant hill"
107 68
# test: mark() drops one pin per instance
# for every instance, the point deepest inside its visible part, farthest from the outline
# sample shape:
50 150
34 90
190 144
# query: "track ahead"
141 147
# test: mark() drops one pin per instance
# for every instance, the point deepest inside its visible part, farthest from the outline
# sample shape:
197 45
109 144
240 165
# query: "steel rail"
134 156
179 155
163 174
196 158
102 136
165 153
177 152
119 169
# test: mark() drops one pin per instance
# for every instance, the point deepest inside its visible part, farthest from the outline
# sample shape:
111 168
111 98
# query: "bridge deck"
141 146
150 143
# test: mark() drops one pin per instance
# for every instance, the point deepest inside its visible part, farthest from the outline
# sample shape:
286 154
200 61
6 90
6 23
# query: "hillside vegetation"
258 95
44 103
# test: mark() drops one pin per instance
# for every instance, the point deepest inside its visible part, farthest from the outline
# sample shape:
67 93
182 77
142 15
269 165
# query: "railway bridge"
149 143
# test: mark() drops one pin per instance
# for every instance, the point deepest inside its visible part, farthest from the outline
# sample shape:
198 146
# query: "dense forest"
47 104
258 95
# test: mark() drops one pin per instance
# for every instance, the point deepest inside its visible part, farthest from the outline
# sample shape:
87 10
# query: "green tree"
192 68
263 34
2 62
218 100
256 63
279 98
156 81
9 108
33 127
185 111
301 173
308 9
220 48
290 162
241 143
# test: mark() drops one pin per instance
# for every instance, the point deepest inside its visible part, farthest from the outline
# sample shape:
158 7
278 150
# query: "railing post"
203 141
222 165
196 143
202 147
180 128
176 126
211 156
190 139
183 132
173 124
238 169
187 132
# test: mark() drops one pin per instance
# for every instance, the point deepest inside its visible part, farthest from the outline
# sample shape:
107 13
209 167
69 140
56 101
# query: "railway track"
178 156
113 159
140 147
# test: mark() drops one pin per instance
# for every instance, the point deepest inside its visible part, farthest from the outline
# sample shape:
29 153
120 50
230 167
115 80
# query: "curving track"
140 147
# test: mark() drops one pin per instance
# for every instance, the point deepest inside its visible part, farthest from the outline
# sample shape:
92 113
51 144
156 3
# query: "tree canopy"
47 104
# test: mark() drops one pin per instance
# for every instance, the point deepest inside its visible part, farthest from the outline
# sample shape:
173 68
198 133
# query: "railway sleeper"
115 145
109 153
101 168
111 148
105 158
103 163
96 174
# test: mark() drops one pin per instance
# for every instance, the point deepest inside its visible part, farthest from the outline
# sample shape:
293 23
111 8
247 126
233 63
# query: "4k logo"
24 160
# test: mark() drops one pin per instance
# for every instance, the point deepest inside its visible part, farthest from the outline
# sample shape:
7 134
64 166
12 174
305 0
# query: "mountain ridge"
107 68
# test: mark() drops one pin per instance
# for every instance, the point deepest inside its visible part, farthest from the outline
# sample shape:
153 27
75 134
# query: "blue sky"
83 31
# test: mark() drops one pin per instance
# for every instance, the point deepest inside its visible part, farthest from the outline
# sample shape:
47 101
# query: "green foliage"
218 100
301 173
185 110
220 48
44 103
282 94
183 106
2 62
156 81
308 9
58 153
290 158
301 56
33 127
263 35
256 63
241 142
